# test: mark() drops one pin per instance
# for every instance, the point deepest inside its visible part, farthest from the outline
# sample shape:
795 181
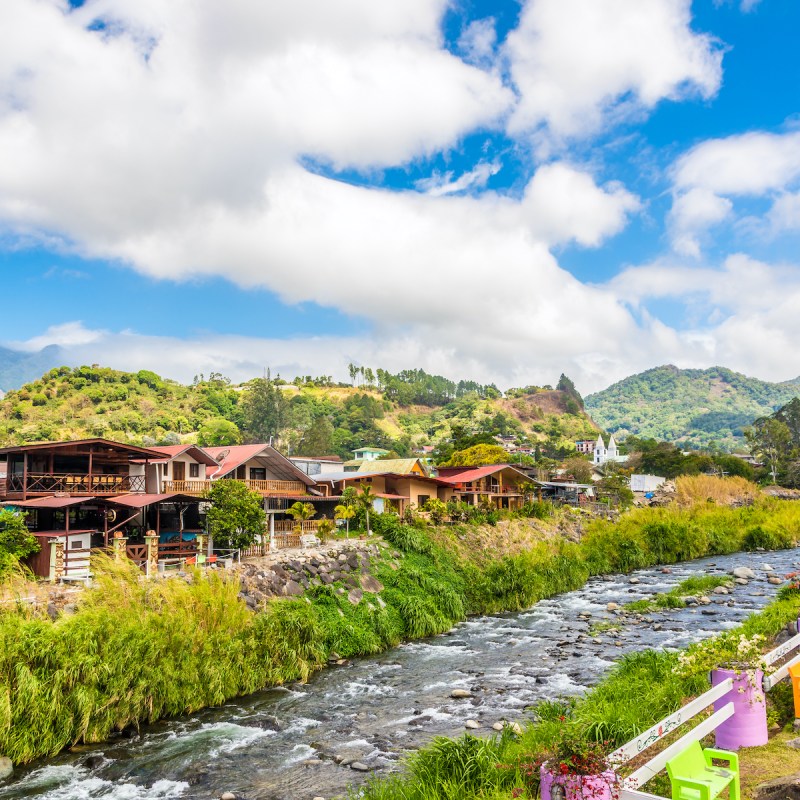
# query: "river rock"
514 727
6 767
787 788
354 596
227 796
498 726
704 601
472 724
794 743
720 590
775 581
741 581
634 580
743 572
371 584
292 588
612 607
359 766
767 568
460 694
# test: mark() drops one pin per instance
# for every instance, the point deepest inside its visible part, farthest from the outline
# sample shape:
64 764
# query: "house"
393 491
610 453
83 494
585 446
565 492
183 469
317 465
369 453
499 485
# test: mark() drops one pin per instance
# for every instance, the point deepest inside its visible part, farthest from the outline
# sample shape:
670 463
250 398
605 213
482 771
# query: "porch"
267 488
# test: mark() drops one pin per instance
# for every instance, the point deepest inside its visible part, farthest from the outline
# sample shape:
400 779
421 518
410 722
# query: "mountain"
691 407
316 416
18 367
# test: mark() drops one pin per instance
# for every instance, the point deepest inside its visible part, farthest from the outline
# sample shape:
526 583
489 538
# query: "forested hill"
691 407
309 416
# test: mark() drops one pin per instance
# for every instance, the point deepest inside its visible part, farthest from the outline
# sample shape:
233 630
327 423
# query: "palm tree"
366 498
300 512
345 512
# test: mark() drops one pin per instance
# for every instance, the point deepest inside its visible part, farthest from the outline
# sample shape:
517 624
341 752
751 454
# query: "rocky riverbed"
359 718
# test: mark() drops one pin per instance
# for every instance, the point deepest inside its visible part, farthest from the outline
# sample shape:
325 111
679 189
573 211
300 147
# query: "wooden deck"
267 488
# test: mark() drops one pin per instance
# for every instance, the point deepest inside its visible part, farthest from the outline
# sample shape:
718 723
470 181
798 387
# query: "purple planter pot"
578 787
748 725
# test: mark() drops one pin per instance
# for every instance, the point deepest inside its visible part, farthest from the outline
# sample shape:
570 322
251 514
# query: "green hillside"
310 416
691 407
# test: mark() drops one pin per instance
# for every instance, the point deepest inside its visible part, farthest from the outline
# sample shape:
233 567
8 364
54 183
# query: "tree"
366 499
478 455
318 439
218 432
237 515
300 512
771 439
16 541
345 512
265 410
579 468
352 369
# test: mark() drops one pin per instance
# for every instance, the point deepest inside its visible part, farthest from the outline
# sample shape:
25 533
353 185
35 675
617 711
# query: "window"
166 470
76 544
258 473
194 470
422 499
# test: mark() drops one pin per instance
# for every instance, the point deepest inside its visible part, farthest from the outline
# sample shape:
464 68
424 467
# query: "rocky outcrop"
787 788
290 574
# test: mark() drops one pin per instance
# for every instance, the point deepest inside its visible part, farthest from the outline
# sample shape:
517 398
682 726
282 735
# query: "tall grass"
138 650
639 691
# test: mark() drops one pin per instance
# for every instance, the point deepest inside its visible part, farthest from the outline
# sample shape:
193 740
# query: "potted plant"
577 768
733 655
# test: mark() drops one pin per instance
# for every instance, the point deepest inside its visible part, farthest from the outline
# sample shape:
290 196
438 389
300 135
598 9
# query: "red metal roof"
131 449
478 472
51 502
140 500
234 456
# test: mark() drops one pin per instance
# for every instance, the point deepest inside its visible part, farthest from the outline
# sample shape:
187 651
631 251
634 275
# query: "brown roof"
195 451
229 458
130 449
474 473
140 500
50 502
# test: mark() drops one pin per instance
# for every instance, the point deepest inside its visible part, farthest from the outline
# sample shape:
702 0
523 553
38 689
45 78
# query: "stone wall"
285 574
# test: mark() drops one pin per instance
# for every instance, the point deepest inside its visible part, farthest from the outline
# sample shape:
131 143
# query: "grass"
639 691
674 598
136 651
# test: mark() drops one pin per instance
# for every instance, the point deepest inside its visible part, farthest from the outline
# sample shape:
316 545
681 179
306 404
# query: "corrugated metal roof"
51 502
479 472
399 466
140 500
230 458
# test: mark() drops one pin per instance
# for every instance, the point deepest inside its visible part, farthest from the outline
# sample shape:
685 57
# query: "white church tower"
600 450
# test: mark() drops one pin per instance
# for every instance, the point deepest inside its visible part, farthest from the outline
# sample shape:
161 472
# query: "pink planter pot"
578 787
748 725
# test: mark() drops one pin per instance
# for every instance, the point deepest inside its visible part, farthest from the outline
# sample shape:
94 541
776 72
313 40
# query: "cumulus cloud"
754 164
438 184
576 63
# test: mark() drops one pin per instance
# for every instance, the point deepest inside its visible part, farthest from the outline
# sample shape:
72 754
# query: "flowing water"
285 743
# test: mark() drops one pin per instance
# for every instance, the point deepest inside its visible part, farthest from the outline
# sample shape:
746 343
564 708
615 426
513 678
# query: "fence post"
151 564
120 545
201 542
56 560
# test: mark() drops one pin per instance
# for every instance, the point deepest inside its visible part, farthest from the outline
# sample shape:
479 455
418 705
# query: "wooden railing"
290 526
192 487
49 483
76 562
137 553
198 487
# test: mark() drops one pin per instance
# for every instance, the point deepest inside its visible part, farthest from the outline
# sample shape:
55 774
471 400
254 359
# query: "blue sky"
497 190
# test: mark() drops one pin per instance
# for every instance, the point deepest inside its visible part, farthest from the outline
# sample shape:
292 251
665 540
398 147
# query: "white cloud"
692 213
785 212
477 42
578 62
438 185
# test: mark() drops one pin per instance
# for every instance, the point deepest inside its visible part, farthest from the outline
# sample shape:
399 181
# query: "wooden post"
56 560
151 565
120 545
200 557
91 450
272 532
25 475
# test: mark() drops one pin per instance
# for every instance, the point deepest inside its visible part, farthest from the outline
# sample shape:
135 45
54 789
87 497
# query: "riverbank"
132 651
643 688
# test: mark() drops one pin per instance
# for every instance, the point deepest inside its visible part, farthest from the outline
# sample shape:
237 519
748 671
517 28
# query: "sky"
501 191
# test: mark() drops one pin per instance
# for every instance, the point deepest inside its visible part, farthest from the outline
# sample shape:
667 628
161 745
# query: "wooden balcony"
35 484
265 488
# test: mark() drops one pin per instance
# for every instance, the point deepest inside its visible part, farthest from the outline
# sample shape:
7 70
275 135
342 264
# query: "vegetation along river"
289 743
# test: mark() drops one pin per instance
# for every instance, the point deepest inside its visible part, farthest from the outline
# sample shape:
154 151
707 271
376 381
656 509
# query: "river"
284 744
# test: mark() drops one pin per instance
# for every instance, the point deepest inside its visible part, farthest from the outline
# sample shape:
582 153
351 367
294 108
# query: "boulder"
371 584
743 572
741 581
6 767
354 596
293 588
634 580
612 607
775 581
359 766
498 726
720 590
460 694
472 724
787 788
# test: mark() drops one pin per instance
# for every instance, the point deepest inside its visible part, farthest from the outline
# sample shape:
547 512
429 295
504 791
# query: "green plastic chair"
694 777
